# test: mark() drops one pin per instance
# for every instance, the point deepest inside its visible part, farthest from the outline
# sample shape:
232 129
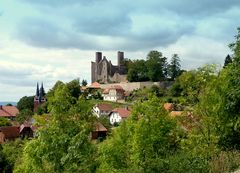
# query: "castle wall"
137 85
118 78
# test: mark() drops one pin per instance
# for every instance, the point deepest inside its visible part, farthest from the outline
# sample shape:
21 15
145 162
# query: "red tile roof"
95 85
8 111
123 112
99 127
106 91
176 113
168 106
104 106
10 132
118 88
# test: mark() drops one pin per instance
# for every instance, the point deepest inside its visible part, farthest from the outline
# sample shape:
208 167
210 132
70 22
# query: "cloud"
111 25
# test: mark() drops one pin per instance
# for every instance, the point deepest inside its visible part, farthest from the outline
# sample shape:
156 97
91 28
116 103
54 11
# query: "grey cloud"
114 20
42 33
59 3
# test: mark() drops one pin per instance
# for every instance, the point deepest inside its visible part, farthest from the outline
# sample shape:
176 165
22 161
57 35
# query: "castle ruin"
104 72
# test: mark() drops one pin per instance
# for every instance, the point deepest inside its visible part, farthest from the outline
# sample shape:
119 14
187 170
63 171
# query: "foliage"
74 88
84 82
24 115
154 68
192 83
63 143
42 109
137 71
142 143
174 68
5 165
156 65
4 122
13 151
25 102
227 61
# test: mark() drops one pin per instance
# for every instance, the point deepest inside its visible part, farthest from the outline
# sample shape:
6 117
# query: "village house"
114 93
26 131
9 112
118 114
9 133
99 131
102 109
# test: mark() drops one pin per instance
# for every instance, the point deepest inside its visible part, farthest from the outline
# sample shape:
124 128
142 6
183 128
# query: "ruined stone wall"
130 86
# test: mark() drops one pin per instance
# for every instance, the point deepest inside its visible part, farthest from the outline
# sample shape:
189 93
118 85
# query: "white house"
114 93
102 109
118 114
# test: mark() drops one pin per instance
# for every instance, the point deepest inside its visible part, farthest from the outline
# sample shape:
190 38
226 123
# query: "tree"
24 115
156 65
4 122
13 151
84 82
143 143
174 68
221 102
62 143
228 60
26 102
192 83
137 71
74 88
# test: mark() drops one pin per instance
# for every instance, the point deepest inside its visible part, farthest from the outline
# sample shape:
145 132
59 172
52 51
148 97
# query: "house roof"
10 131
98 127
104 106
118 88
176 113
168 106
26 126
95 85
8 111
123 112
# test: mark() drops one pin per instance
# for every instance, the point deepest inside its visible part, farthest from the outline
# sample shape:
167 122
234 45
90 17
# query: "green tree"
84 82
143 143
137 71
24 115
74 88
5 165
174 68
25 102
156 65
13 151
62 143
4 122
228 60
192 83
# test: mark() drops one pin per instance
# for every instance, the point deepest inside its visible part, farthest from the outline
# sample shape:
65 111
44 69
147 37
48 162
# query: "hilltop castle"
104 72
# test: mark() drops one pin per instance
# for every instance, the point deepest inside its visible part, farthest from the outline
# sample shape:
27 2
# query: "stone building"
104 72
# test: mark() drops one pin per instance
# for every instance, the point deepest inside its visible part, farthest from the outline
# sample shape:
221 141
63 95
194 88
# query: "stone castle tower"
104 72
39 97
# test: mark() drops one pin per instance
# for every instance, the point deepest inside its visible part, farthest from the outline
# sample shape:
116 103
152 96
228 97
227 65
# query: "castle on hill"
104 72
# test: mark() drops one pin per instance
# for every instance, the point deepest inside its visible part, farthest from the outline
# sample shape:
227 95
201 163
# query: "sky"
50 40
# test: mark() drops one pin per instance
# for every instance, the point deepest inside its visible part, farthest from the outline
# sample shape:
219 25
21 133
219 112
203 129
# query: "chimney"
120 58
98 57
